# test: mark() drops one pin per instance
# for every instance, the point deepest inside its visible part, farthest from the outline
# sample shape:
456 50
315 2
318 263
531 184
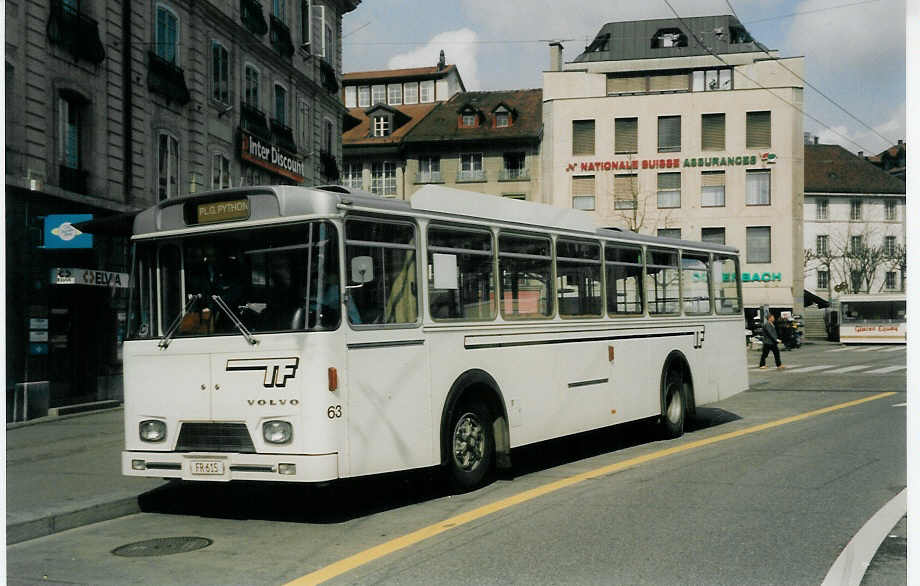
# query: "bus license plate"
208 467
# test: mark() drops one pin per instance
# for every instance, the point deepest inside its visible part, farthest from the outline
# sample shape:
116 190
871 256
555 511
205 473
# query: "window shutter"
668 134
669 181
758 130
668 82
713 188
583 185
583 137
625 84
713 134
714 179
758 244
626 135
625 187
758 188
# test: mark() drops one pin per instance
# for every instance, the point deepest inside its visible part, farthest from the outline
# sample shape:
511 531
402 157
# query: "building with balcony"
114 106
854 225
684 128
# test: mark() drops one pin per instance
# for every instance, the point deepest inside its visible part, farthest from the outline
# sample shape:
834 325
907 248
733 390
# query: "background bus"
297 334
869 319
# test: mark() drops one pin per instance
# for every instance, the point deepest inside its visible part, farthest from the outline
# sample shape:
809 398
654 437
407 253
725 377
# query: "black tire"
675 406
471 447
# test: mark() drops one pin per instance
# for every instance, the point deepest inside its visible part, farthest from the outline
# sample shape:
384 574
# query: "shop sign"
636 164
38 335
69 276
38 323
765 277
60 233
268 156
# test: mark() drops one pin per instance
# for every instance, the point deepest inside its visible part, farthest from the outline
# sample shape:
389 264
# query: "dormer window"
468 120
469 117
600 44
669 37
502 119
382 125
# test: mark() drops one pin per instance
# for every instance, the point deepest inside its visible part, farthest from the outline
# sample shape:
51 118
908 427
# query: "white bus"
873 319
310 334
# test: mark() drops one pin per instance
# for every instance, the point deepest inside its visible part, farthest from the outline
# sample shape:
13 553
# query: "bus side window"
624 280
662 281
695 282
391 297
525 265
461 280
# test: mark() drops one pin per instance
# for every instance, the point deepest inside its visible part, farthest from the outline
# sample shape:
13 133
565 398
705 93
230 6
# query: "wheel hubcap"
674 405
469 442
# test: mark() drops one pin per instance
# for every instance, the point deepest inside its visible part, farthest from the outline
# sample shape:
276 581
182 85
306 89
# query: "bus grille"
214 437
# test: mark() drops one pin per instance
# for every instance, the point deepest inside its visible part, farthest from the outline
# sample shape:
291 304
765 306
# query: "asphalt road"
751 494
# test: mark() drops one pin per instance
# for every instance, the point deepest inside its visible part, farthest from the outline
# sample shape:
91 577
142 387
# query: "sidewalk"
65 472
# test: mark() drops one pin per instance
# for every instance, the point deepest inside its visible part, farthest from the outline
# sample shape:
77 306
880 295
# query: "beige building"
659 135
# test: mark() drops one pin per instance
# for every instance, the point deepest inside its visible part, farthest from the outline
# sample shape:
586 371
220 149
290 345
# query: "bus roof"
268 202
871 297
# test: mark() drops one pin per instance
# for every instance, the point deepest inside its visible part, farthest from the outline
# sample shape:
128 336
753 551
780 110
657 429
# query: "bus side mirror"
362 269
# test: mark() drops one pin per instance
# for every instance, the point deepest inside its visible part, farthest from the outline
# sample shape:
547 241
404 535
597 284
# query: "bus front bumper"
223 467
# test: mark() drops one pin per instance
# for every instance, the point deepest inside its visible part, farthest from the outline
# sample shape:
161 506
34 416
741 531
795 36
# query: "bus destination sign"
223 211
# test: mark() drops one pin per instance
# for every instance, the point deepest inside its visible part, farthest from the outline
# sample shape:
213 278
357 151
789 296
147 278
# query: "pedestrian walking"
770 342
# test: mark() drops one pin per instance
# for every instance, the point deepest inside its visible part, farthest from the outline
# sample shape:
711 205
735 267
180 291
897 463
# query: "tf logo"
277 370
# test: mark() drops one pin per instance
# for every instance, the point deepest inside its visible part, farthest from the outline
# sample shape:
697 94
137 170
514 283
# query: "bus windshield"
858 311
265 279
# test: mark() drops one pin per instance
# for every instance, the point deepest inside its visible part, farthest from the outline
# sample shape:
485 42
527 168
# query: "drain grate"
162 546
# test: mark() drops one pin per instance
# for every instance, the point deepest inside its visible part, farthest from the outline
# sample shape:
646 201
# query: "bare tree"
639 211
897 259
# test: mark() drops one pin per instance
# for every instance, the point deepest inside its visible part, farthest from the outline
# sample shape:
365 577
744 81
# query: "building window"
410 93
328 133
856 280
583 194
167 34
758 130
70 127
713 189
322 45
712 80
669 190
220 172
471 167
513 166
252 86
279 10
821 244
394 94
167 167
713 235
758 244
821 209
426 91
364 96
381 125
669 233
305 36
626 136
502 119
303 125
383 178
855 209
280 104
520 196
429 170
856 244
891 209
351 96
668 134
582 137
328 41
713 132
352 176
468 120
625 191
822 279
891 243
220 73
668 37
378 94
758 188
891 280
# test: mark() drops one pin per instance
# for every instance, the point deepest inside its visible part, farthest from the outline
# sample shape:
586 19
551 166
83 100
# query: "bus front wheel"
672 420
472 445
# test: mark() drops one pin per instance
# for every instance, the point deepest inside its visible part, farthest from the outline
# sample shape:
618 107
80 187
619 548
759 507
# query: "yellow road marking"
384 549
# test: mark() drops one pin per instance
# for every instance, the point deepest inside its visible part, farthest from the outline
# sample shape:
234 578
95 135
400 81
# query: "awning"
117 225
812 299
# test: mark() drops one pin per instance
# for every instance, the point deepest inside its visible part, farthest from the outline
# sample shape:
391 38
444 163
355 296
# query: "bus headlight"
277 432
152 430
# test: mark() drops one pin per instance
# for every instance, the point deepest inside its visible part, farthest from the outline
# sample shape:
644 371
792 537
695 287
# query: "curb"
53 418
55 523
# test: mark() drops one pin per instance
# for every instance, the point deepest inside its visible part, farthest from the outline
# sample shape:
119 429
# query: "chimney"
816 140
555 56
859 154
441 62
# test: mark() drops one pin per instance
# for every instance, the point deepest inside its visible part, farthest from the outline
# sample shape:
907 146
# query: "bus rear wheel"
472 445
672 420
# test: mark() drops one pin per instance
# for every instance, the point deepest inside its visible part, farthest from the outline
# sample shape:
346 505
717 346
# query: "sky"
854 49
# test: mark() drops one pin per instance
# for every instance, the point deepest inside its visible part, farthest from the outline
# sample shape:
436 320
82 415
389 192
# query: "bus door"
387 406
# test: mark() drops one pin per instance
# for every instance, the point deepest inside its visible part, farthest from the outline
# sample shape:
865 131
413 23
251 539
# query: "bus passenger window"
624 280
525 265
578 278
391 297
695 282
662 282
472 296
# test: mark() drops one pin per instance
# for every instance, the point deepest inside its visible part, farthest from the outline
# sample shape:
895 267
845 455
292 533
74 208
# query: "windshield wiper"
236 321
174 326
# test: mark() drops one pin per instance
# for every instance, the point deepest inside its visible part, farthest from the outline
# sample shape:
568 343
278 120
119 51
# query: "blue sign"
38 349
60 233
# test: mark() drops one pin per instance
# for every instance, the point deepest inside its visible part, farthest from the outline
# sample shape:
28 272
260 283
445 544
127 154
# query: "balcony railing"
283 136
514 175
166 79
473 175
281 38
252 17
327 76
328 166
252 120
429 177
74 180
75 32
